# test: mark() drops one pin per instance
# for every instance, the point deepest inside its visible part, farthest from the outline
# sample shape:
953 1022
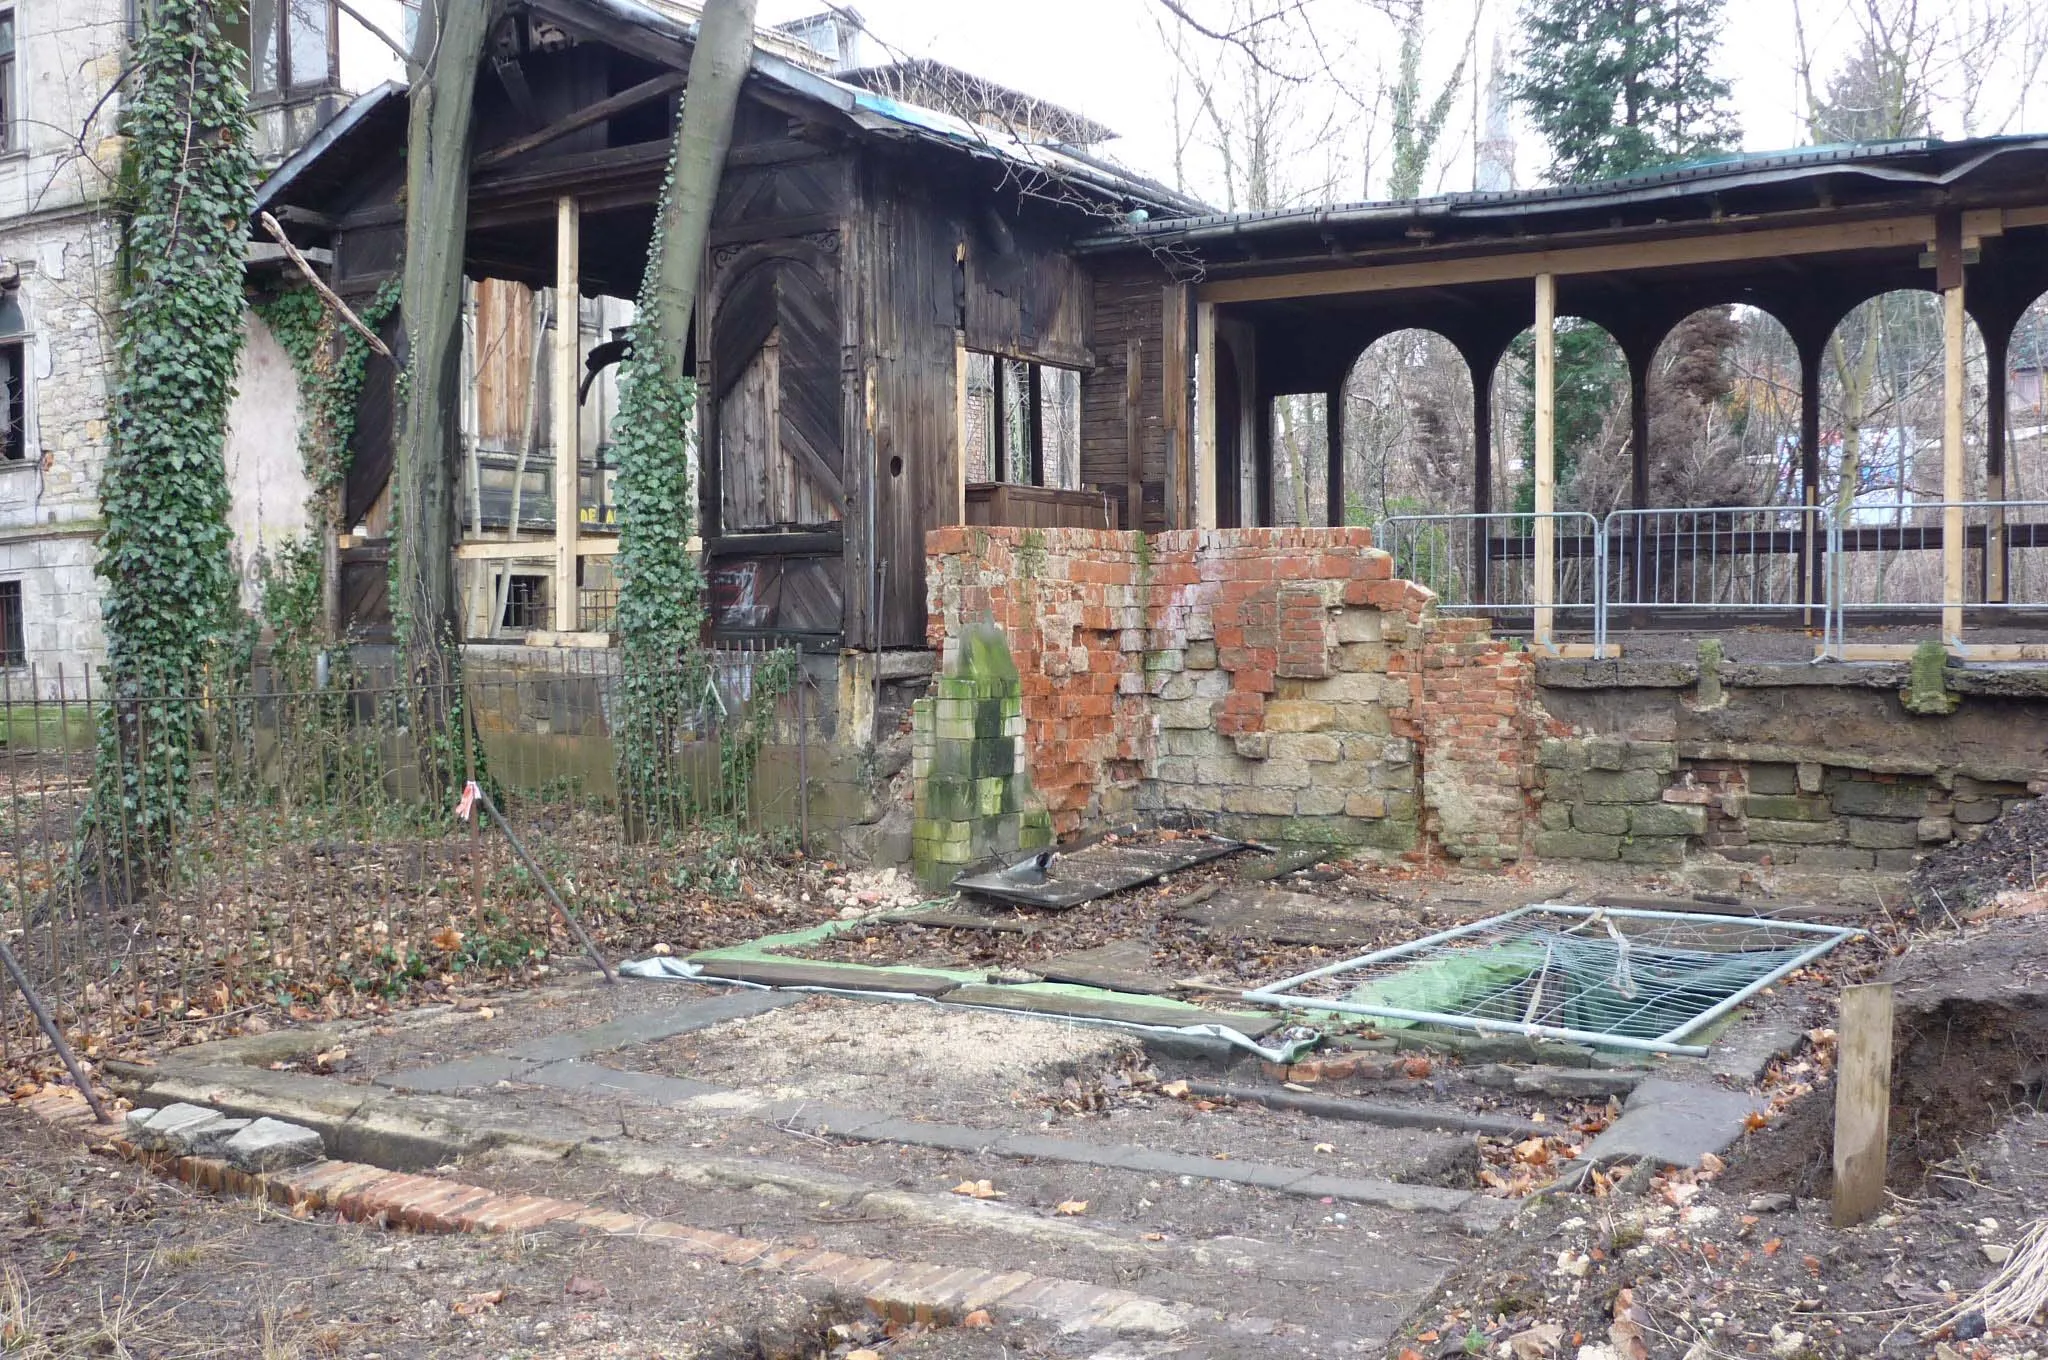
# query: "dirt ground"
100 1258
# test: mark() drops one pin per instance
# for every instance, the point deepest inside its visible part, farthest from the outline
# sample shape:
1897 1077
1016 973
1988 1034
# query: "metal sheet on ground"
852 977
1098 871
1108 1008
1282 917
1119 966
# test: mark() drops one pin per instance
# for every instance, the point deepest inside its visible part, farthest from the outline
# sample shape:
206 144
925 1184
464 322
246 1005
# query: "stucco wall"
267 478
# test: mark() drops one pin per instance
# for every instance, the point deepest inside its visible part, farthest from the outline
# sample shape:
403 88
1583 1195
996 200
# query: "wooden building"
885 283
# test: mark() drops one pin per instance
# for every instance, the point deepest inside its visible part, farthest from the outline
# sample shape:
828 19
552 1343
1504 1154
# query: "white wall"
267 481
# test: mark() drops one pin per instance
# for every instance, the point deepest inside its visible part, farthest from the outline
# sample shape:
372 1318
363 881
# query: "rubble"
273 1145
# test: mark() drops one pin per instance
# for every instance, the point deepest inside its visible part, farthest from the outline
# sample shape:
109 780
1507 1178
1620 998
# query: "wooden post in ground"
1546 456
1863 1100
568 414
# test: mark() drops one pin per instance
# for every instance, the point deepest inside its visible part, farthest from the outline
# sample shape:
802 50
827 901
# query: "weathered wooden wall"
1127 436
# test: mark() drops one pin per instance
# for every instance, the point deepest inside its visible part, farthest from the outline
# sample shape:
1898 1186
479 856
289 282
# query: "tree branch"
327 295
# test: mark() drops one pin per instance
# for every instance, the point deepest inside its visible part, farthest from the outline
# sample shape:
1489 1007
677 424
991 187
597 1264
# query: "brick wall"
1277 682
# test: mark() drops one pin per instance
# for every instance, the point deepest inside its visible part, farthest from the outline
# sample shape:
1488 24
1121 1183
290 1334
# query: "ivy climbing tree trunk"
447 48
661 589
169 607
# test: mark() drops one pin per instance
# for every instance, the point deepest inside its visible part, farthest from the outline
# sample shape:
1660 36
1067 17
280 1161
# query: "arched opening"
2026 405
1721 398
1592 418
1408 423
1884 478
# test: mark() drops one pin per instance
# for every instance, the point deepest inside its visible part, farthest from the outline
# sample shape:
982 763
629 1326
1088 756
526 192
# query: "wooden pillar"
1813 536
1134 431
1482 472
1948 251
1034 417
1997 548
1205 471
568 415
1546 455
999 422
1262 457
960 426
1333 480
1639 431
1863 1101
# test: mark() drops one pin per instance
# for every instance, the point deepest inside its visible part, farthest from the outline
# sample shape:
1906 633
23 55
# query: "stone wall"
968 760
1823 768
1279 683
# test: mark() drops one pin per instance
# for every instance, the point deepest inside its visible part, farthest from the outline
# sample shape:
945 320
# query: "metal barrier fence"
1499 564
1754 563
311 862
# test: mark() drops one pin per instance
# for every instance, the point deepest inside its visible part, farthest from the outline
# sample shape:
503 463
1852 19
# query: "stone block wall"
1280 683
968 758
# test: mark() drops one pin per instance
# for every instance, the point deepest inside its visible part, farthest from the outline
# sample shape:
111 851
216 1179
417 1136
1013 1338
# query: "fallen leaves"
1629 1332
472 1305
583 1287
978 1190
1068 1208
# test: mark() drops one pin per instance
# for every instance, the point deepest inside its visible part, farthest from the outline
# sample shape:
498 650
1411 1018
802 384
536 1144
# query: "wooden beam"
531 549
1134 428
1482 473
1902 233
1205 416
584 117
1997 426
1546 454
1034 416
1333 476
1863 1101
568 414
960 425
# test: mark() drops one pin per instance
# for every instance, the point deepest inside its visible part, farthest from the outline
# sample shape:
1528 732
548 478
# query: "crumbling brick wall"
1279 682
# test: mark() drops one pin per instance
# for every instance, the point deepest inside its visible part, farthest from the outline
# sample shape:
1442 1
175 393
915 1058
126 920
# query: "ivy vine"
183 204
665 669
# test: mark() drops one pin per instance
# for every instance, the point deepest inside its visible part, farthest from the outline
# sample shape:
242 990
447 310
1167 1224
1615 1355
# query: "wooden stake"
1863 1101
568 414
1546 454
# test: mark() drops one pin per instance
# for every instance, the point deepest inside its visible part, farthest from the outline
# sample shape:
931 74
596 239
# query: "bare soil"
1964 875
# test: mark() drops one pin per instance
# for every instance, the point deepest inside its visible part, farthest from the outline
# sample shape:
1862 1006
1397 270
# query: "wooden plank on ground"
1119 966
849 976
1863 1101
1277 916
962 920
1107 1008
1098 871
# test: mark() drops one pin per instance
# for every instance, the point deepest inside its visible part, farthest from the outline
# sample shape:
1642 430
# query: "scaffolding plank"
1097 871
1079 1007
848 976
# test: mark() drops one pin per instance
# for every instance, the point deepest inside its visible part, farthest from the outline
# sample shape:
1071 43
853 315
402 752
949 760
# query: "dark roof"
1756 176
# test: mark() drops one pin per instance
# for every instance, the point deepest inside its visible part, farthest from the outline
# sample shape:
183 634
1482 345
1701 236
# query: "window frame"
14 334
288 85
13 625
1012 432
10 81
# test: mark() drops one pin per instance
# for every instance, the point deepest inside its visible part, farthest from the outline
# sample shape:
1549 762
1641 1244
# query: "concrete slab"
651 1087
652 1026
1673 1124
272 1145
464 1074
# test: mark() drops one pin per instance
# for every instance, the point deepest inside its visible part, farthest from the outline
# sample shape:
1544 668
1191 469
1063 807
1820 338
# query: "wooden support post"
1997 420
1333 480
1134 429
1000 469
1262 458
1546 455
1952 483
1863 1100
1482 472
1639 431
960 424
1205 415
1034 416
568 414
1814 531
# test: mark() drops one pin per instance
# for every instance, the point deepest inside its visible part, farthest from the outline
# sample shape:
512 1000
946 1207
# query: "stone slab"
1119 966
464 1074
1673 1124
1098 871
1108 1008
838 976
1283 917
273 1145
648 1086
651 1026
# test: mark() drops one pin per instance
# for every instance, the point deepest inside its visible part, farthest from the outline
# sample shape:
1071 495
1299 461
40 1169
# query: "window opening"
13 643
1023 422
13 381
8 113
526 603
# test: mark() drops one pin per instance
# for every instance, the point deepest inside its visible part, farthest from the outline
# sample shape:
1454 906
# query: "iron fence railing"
283 839
1752 563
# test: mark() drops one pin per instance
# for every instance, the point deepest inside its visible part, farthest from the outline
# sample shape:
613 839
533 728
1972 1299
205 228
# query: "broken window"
13 644
1022 422
291 44
13 382
526 603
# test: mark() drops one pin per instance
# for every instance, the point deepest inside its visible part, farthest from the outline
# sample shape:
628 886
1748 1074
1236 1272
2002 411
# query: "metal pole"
568 917
56 1036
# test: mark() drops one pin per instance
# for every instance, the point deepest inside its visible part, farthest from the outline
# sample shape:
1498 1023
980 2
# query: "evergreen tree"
1617 86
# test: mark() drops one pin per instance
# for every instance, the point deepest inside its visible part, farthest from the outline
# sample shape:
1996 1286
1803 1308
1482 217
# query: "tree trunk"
446 52
725 49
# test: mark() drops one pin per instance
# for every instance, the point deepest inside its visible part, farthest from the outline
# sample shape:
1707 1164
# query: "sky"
1106 58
